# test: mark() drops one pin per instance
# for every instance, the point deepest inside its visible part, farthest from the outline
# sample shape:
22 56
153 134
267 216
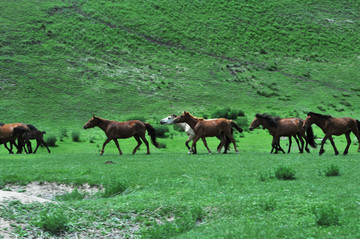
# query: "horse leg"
191 137
138 145
290 142
322 145
193 144
146 143
305 143
333 144
232 140
347 135
118 146
43 142
9 149
297 138
205 143
103 147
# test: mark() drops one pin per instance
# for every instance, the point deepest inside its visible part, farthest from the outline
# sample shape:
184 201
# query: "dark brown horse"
220 128
121 130
289 127
11 132
334 126
36 134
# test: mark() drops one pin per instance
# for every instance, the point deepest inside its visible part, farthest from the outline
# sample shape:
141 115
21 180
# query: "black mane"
319 115
272 121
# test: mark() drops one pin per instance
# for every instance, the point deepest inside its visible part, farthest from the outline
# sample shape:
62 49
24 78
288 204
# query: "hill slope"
63 61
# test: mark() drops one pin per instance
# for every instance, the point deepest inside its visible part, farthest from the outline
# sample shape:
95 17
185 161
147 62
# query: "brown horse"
334 126
36 134
278 127
121 130
11 132
220 128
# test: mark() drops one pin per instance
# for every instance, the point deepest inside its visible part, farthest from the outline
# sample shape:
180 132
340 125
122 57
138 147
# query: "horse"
188 130
334 126
11 132
121 130
36 134
278 127
220 128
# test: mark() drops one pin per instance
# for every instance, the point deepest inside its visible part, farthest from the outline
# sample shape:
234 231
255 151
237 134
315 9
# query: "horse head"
168 120
92 122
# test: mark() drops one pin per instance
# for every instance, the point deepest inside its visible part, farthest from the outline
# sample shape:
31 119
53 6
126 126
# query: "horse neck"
103 124
192 121
181 125
320 122
267 126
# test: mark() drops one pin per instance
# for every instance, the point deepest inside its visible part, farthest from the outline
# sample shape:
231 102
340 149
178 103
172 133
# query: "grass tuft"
285 173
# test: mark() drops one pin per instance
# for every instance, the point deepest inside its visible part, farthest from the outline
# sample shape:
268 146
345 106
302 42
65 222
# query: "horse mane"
1 124
272 121
201 119
319 115
31 127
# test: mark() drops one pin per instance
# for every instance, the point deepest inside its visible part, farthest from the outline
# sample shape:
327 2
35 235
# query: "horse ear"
258 115
186 113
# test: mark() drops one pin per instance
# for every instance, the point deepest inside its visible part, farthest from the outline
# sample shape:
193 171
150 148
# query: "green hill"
62 61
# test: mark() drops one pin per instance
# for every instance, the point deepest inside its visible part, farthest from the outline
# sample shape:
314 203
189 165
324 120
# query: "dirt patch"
40 192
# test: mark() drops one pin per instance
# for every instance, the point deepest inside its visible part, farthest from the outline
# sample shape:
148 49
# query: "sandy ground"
34 192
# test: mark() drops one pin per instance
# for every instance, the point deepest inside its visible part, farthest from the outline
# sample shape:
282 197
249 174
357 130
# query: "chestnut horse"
334 126
278 127
220 128
121 130
188 130
11 132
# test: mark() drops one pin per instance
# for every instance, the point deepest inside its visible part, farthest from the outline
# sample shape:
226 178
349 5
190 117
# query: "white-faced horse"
184 126
190 132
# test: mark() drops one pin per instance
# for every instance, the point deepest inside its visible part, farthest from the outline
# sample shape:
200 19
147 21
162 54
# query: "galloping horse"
278 127
121 130
11 132
334 126
220 128
188 130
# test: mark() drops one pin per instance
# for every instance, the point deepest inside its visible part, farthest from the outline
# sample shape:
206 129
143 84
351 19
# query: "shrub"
285 173
161 130
114 188
327 215
162 145
53 221
51 140
73 196
75 136
333 170
137 117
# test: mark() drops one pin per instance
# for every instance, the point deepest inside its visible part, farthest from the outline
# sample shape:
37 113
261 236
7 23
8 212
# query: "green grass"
63 61
201 196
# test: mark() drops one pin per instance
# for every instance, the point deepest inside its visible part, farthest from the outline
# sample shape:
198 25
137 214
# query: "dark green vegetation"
62 61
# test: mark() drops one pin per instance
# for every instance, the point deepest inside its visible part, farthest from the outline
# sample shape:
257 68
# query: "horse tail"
236 126
152 132
358 124
310 137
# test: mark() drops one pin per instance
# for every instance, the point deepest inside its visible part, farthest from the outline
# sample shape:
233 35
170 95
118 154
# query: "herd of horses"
200 128
23 133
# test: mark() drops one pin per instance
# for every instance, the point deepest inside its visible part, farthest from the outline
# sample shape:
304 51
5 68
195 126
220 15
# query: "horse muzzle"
251 128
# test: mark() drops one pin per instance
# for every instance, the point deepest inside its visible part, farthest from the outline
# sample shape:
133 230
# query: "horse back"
6 131
126 129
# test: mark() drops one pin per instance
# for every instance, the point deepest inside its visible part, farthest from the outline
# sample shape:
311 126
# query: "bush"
114 188
51 140
137 117
228 113
161 130
75 136
285 173
73 196
53 222
327 215
333 170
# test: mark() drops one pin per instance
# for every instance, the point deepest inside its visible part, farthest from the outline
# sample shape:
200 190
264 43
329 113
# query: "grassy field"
172 194
63 61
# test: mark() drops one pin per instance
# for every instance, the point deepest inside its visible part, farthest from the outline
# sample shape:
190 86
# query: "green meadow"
63 61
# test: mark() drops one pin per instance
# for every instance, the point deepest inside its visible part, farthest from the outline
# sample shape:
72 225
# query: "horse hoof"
336 153
345 153
321 152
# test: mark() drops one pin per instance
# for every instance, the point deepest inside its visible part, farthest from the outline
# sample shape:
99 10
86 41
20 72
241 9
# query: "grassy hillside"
62 61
